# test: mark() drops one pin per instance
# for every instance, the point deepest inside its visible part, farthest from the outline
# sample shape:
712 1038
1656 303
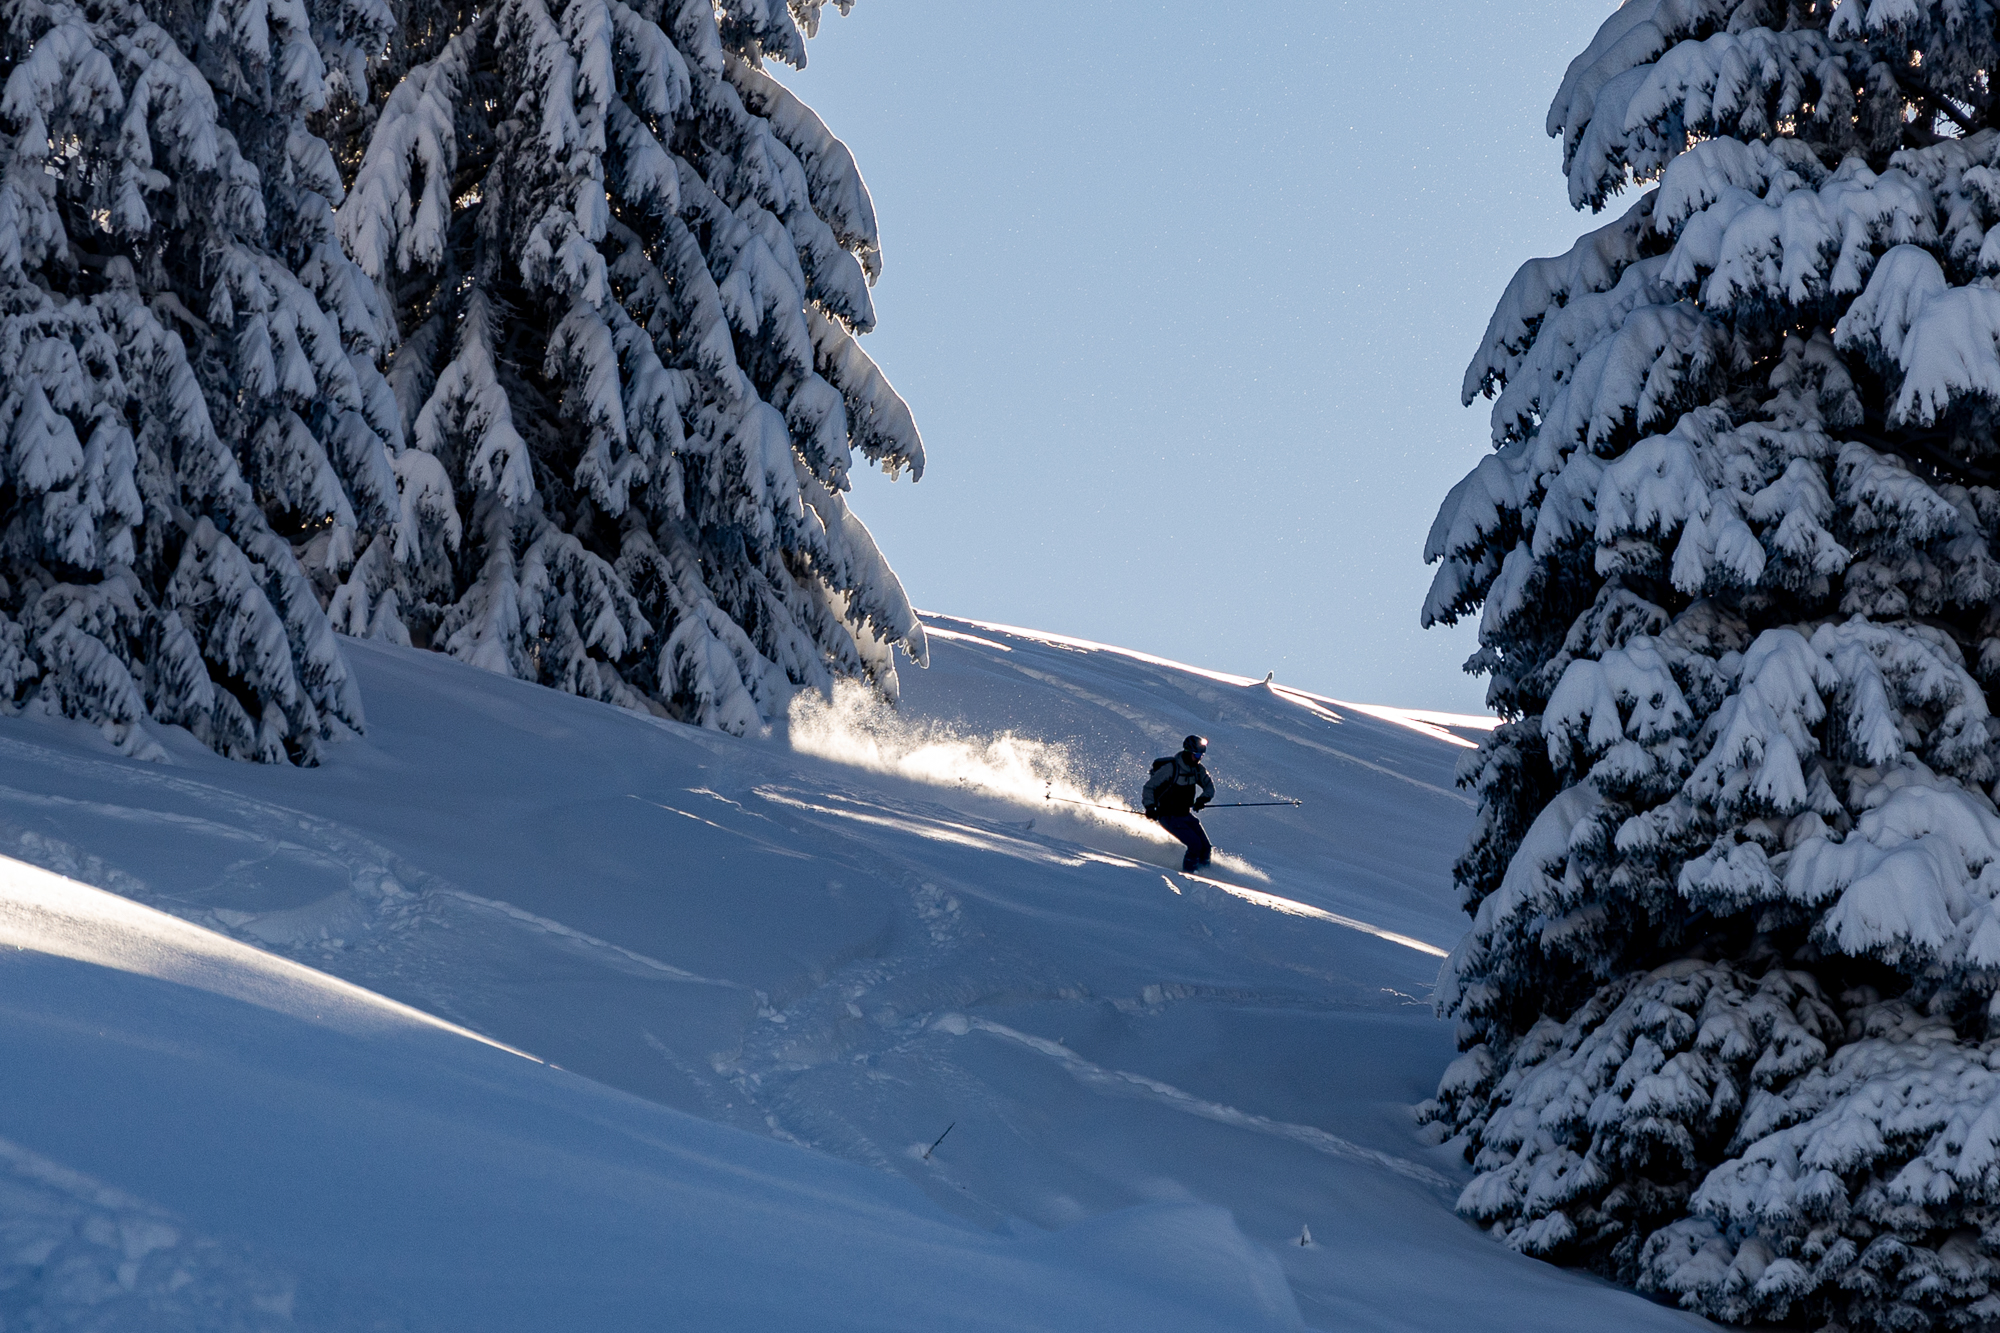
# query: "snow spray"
857 728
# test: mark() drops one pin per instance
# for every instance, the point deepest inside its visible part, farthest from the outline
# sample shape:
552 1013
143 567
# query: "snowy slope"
771 973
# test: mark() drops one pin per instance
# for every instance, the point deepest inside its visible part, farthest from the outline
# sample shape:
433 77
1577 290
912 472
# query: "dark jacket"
1171 789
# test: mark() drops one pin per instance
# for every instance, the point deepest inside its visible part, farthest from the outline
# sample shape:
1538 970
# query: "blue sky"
1182 295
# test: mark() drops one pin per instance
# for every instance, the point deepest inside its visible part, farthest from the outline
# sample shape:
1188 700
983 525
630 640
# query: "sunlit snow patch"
1291 907
45 913
1427 721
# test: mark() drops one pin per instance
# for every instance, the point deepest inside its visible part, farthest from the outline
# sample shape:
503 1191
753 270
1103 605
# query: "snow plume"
856 727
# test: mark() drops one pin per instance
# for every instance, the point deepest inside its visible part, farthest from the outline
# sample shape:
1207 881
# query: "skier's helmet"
1195 745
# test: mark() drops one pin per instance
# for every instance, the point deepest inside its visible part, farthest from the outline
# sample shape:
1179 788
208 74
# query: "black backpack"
1174 797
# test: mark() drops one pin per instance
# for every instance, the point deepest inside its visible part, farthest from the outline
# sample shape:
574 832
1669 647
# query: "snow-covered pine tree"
629 267
1728 1003
186 382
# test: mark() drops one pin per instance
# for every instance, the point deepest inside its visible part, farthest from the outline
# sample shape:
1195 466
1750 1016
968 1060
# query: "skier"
1170 799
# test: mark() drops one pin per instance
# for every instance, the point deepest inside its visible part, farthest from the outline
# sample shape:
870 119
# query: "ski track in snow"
764 843
1117 1081
516 916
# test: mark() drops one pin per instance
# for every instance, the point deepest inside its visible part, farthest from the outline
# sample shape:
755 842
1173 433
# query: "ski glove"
1200 801
1152 812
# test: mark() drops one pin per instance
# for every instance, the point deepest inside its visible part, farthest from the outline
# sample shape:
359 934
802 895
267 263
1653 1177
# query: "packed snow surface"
525 1012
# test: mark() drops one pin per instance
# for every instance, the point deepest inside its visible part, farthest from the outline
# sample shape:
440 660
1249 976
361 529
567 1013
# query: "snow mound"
378 1149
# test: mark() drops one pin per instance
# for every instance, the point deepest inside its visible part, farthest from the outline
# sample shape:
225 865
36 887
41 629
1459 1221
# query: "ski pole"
1229 805
1064 800
940 1139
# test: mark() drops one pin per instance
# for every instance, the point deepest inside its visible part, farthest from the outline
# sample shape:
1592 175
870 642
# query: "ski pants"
1189 830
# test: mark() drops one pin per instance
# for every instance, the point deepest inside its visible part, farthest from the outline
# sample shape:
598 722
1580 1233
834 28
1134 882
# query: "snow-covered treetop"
632 269
1847 77
1656 313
